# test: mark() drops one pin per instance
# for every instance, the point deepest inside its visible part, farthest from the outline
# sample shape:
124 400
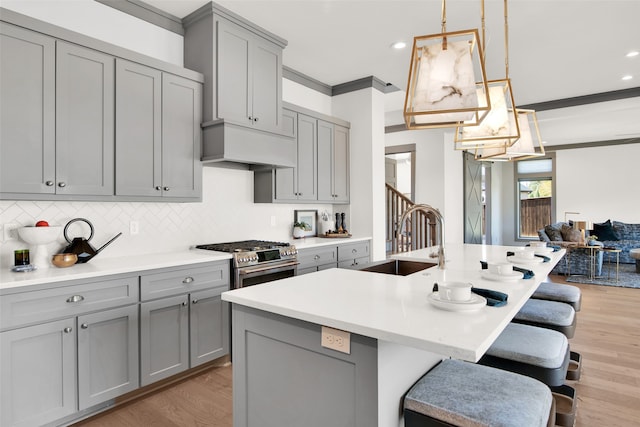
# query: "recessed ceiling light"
399 45
627 77
633 53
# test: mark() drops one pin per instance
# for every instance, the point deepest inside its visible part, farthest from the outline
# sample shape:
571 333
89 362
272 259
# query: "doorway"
399 168
477 200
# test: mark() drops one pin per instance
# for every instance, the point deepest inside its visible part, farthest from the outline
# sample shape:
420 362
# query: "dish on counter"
475 303
517 259
24 268
512 276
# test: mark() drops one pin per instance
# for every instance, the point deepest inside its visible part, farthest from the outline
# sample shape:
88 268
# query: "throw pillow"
605 231
553 233
570 234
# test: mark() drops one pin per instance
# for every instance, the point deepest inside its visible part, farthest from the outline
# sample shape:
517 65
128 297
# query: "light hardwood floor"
607 336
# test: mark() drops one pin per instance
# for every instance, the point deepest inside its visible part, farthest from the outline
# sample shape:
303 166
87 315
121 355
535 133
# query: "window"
535 203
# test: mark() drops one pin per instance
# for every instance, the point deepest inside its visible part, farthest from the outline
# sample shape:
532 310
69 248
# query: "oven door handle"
245 271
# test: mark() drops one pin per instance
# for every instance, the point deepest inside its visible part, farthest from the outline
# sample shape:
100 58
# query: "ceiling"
557 48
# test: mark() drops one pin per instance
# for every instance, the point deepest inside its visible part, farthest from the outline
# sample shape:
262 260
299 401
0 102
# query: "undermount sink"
397 267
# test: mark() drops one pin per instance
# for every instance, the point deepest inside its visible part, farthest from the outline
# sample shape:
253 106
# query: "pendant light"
500 127
442 89
527 146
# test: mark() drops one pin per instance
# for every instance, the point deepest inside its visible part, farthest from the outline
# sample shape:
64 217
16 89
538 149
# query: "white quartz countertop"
395 308
98 267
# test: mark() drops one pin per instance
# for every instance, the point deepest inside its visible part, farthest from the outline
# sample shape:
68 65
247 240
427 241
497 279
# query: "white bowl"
39 235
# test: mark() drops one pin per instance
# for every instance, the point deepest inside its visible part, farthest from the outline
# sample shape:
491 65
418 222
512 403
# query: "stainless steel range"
258 261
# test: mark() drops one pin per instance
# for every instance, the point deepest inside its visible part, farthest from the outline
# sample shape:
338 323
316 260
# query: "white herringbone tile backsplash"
227 213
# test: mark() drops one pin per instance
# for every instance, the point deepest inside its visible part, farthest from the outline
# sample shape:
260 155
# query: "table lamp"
583 226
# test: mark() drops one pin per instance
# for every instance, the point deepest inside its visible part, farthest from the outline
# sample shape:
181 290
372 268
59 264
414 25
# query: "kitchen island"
284 376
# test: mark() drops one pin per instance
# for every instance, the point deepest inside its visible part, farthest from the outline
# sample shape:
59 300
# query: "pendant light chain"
506 40
484 30
444 24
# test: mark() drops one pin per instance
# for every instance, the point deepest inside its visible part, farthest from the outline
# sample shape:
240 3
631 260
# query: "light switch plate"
9 231
335 339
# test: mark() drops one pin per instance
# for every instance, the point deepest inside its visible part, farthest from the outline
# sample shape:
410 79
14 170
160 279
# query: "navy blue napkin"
528 274
494 298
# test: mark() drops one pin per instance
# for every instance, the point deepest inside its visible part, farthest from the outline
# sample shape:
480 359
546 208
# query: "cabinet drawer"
39 306
354 263
352 251
183 280
317 256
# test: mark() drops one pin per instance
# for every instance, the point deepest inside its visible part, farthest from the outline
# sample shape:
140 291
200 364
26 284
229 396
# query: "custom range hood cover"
225 142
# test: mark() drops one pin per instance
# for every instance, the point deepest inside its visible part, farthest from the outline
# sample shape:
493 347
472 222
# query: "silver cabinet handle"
255 119
354 251
75 298
317 257
188 280
184 303
166 188
158 188
62 184
250 118
67 330
195 301
49 183
84 326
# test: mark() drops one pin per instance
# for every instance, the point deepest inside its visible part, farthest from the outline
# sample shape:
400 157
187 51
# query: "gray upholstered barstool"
536 352
567 294
554 315
456 393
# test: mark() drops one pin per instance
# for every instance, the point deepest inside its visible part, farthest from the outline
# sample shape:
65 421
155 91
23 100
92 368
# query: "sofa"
613 234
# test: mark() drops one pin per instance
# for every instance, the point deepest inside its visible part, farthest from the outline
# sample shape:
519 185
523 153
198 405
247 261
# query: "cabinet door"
285 181
38 370
27 111
138 130
266 84
181 137
233 79
84 121
209 326
107 355
307 160
164 338
341 164
325 161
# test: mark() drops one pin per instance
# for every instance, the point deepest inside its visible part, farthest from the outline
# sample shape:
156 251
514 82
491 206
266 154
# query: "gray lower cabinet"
316 259
282 376
107 355
67 348
186 329
38 369
333 163
353 255
158 137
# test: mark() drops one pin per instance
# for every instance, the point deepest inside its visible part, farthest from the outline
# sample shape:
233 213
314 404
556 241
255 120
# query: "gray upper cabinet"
27 111
138 129
181 137
322 169
84 121
333 163
249 79
158 136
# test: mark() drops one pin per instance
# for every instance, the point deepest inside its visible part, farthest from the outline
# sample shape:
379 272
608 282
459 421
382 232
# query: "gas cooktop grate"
243 246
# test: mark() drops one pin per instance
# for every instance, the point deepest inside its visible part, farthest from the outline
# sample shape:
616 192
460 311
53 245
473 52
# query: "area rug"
627 277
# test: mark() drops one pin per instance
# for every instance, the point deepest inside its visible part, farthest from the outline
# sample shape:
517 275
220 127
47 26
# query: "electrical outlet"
9 231
273 220
336 339
134 227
